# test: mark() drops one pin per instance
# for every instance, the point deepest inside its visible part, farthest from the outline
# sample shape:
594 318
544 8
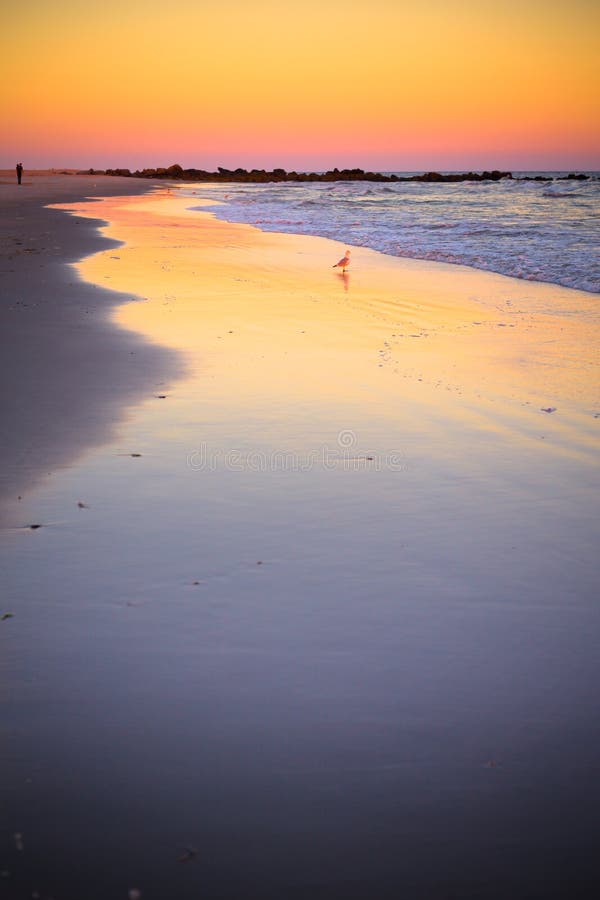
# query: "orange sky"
380 84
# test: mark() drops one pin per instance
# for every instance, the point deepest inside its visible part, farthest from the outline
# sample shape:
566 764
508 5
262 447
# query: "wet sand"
326 623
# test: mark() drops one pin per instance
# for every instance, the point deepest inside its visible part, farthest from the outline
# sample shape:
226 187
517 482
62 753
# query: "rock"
259 176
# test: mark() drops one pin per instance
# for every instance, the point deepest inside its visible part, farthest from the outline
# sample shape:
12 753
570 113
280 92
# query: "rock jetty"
257 176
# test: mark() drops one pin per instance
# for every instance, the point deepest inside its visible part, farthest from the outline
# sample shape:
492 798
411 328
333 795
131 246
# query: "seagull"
343 263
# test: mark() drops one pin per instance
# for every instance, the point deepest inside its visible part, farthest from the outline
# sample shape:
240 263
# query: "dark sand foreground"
67 373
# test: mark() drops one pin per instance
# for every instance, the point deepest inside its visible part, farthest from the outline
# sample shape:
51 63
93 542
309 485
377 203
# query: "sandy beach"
67 372
312 608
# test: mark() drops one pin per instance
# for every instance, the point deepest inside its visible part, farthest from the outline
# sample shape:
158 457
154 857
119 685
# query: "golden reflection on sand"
262 317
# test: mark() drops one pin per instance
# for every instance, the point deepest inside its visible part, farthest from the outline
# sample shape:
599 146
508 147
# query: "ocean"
539 231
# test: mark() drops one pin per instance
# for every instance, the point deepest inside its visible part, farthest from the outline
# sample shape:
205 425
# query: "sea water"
540 231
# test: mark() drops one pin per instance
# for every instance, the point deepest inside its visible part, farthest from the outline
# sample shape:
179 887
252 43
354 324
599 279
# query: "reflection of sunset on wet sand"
262 315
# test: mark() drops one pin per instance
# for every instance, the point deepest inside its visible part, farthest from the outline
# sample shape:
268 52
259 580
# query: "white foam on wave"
531 230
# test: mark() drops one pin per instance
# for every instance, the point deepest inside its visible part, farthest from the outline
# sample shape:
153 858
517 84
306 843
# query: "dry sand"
67 373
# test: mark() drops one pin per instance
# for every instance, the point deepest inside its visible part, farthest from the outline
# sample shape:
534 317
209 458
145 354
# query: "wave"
561 195
508 229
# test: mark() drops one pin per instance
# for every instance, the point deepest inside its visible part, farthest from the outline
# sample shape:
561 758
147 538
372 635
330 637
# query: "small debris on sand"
33 527
82 505
548 409
6 615
135 455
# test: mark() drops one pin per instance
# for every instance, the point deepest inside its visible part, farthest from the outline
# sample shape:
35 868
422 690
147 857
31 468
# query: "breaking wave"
542 231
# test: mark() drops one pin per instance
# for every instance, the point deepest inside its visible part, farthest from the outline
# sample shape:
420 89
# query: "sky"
380 84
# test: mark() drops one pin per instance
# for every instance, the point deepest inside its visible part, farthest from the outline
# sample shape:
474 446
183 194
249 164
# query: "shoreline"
356 214
79 323
68 372
344 594
477 303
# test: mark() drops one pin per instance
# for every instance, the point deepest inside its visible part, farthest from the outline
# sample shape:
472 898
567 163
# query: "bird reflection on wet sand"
345 278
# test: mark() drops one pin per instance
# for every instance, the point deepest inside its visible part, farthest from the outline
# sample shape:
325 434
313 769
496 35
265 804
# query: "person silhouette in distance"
19 172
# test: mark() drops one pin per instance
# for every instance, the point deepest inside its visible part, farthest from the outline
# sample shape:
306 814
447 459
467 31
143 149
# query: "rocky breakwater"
258 176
